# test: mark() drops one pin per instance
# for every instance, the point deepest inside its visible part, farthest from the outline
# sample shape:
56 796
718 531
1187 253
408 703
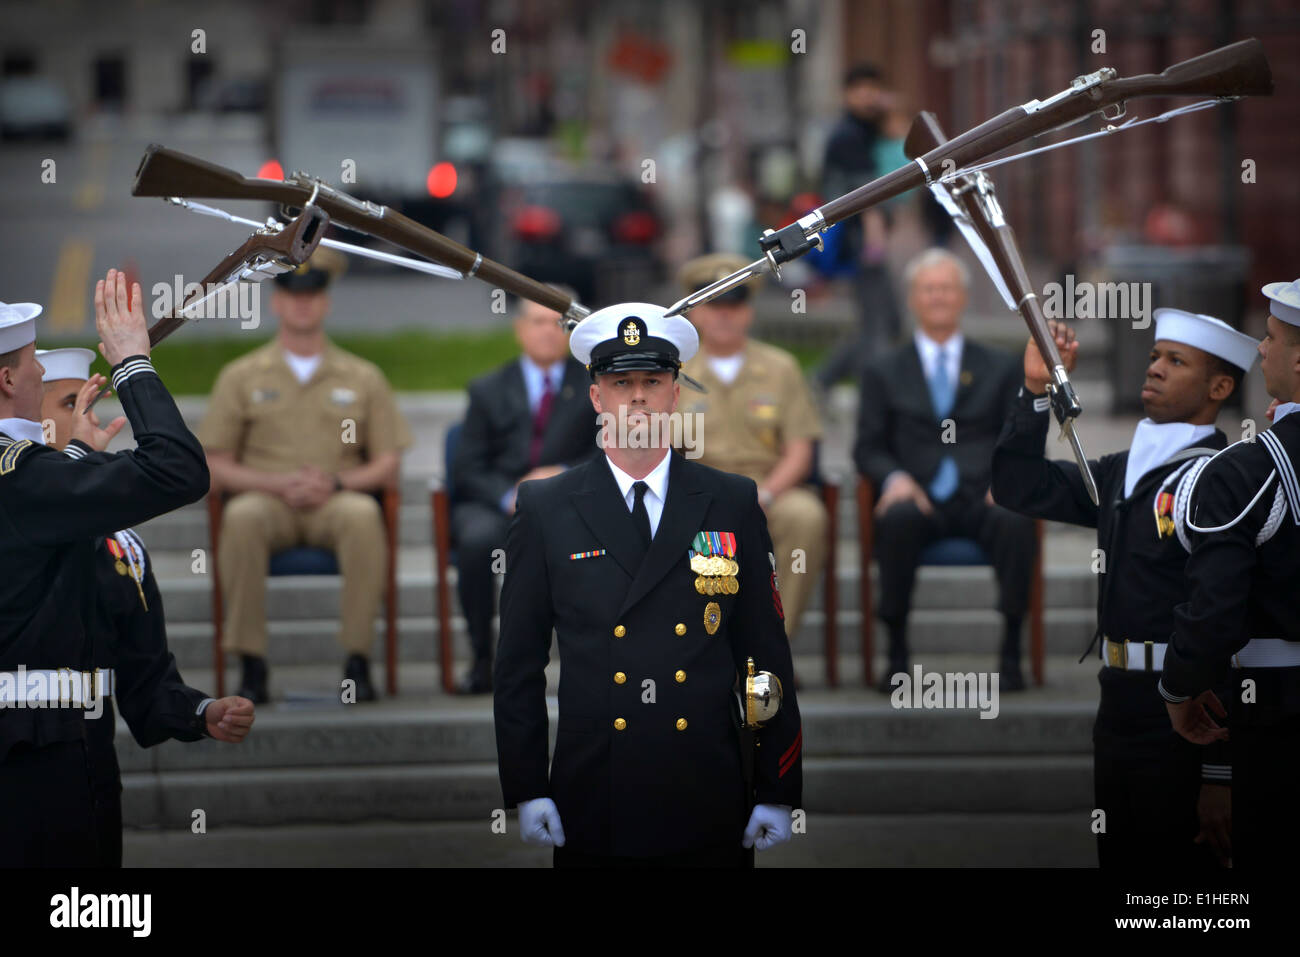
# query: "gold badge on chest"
712 617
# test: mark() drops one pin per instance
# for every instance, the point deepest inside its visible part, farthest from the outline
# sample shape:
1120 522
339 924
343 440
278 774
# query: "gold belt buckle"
1116 654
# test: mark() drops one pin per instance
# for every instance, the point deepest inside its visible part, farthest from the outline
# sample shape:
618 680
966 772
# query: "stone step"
831 840
471 791
460 731
314 640
188 596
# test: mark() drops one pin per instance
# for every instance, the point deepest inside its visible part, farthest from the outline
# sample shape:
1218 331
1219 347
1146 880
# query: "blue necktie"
942 397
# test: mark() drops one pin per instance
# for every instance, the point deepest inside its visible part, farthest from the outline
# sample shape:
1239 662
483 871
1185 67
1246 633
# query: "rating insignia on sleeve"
12 450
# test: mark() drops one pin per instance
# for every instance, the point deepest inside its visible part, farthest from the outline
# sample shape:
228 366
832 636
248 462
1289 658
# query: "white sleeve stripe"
1042 404
74 452
130 368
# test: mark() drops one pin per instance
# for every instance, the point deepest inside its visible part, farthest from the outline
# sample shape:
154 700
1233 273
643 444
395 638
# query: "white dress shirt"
929 350
536 378
656 494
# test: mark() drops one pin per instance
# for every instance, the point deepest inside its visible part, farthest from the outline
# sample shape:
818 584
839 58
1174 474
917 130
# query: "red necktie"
540 418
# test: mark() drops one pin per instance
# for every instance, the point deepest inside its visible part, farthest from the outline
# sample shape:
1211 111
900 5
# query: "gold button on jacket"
619 724
681 724
680 676
619 631
680 629
619 677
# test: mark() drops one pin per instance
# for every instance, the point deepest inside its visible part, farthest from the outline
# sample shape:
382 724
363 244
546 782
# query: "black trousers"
706 857
476 531
47 807
106 786
1149 795
904 530
1266 794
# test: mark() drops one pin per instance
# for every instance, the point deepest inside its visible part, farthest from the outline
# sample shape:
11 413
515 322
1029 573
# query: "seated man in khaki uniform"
759 421
301 434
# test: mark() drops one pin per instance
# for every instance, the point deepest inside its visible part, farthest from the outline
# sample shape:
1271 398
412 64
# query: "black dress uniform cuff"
76 449
1216 774
200 722
1171 698
1033 401
129 367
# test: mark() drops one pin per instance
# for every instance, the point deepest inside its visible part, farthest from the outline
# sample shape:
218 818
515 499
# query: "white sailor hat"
634 336
65 363
1207 334
17 324
1285 302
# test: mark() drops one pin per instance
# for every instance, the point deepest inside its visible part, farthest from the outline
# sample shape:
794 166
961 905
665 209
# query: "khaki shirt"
747 424
342 417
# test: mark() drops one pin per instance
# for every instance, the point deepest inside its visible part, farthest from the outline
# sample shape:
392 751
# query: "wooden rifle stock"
168 172
1239 69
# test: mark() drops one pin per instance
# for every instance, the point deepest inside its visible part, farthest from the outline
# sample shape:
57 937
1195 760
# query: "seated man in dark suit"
530 419
930 415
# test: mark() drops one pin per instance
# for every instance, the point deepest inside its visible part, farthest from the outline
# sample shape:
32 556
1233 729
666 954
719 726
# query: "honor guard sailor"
1240 623
657 576
1164 798
130 636
52 507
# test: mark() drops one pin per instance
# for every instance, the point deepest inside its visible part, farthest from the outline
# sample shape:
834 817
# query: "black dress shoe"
1009 676
252 681
886 683
478 680
358 669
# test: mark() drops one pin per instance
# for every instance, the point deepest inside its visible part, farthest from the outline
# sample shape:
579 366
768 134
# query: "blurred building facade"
733 98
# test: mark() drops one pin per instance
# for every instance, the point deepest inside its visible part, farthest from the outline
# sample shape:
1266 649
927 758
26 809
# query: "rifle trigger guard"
1118 114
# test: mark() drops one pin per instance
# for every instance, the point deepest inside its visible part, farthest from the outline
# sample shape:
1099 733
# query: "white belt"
1134 655
1268 653
61 687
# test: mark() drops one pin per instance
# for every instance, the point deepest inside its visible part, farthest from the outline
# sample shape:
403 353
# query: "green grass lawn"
413 361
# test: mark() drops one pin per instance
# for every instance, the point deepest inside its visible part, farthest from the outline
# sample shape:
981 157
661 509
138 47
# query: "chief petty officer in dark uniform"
52 506
1242 617
1161 796
131 636
657 575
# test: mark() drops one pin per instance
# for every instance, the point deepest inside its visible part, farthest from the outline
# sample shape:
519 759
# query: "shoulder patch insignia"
9 457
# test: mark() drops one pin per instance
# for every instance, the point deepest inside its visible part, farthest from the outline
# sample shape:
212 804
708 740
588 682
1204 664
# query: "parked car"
33 107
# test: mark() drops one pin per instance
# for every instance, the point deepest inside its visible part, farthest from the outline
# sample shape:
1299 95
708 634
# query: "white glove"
539 823
769 825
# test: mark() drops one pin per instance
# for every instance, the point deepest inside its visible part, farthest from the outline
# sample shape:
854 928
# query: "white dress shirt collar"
929 350
656 493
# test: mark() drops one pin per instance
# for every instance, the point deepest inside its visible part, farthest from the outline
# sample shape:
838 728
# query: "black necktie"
640 517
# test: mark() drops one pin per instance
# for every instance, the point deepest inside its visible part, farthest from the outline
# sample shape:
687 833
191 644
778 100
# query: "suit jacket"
898 428
493 451
671 779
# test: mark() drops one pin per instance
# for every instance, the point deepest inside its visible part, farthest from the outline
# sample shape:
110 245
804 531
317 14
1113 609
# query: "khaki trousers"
796 519
256 524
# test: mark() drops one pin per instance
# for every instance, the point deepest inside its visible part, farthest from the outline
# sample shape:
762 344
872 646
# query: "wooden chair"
946 551
305 560
444 558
